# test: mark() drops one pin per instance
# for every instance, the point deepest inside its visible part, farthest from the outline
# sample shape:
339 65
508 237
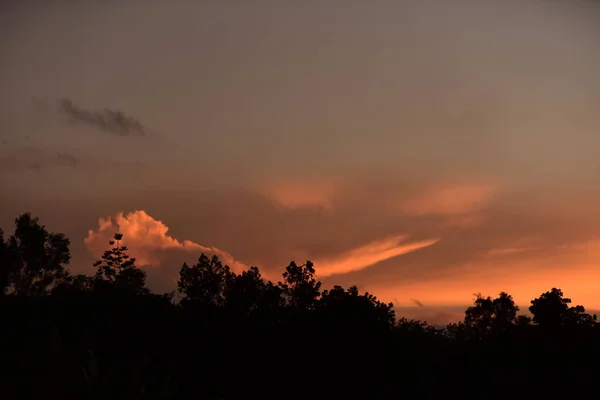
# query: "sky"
421 150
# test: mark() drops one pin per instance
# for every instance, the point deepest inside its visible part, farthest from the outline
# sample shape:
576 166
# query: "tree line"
228 335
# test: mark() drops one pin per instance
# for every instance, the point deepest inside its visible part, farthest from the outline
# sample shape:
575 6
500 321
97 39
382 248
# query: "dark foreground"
236 336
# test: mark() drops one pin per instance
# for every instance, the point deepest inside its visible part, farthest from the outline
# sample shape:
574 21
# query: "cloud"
111 121
317 193
448 199
370 254
16 161
417 302
29 158
148 240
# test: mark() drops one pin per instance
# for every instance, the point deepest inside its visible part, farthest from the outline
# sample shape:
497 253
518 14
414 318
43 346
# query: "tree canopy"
33 259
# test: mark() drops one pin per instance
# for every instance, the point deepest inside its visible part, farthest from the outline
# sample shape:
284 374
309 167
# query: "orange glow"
524 280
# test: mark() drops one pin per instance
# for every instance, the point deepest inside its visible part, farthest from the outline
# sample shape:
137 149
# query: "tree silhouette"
523 320
205 283
32 259
576 316
457 331
248 292
490 316
116 270
551 310
301 289
349 308
4 271
74 283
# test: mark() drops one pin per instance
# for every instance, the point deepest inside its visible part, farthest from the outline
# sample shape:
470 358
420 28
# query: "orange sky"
422 150
411 263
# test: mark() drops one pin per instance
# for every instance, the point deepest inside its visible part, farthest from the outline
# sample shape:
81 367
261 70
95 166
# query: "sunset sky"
422 150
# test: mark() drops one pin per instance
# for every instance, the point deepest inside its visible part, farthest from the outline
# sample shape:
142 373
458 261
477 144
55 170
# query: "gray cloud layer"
111 121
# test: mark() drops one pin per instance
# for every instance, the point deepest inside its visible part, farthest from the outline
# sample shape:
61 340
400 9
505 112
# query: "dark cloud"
111 121
417 302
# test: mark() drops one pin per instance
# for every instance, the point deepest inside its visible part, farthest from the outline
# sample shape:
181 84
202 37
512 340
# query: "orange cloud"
147 240
448 199
312 193
370 254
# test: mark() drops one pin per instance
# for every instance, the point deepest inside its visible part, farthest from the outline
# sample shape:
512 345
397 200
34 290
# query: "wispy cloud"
370 254
417 302
115 122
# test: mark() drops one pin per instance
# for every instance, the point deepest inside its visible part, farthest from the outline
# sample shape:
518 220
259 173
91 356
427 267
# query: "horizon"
421 151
